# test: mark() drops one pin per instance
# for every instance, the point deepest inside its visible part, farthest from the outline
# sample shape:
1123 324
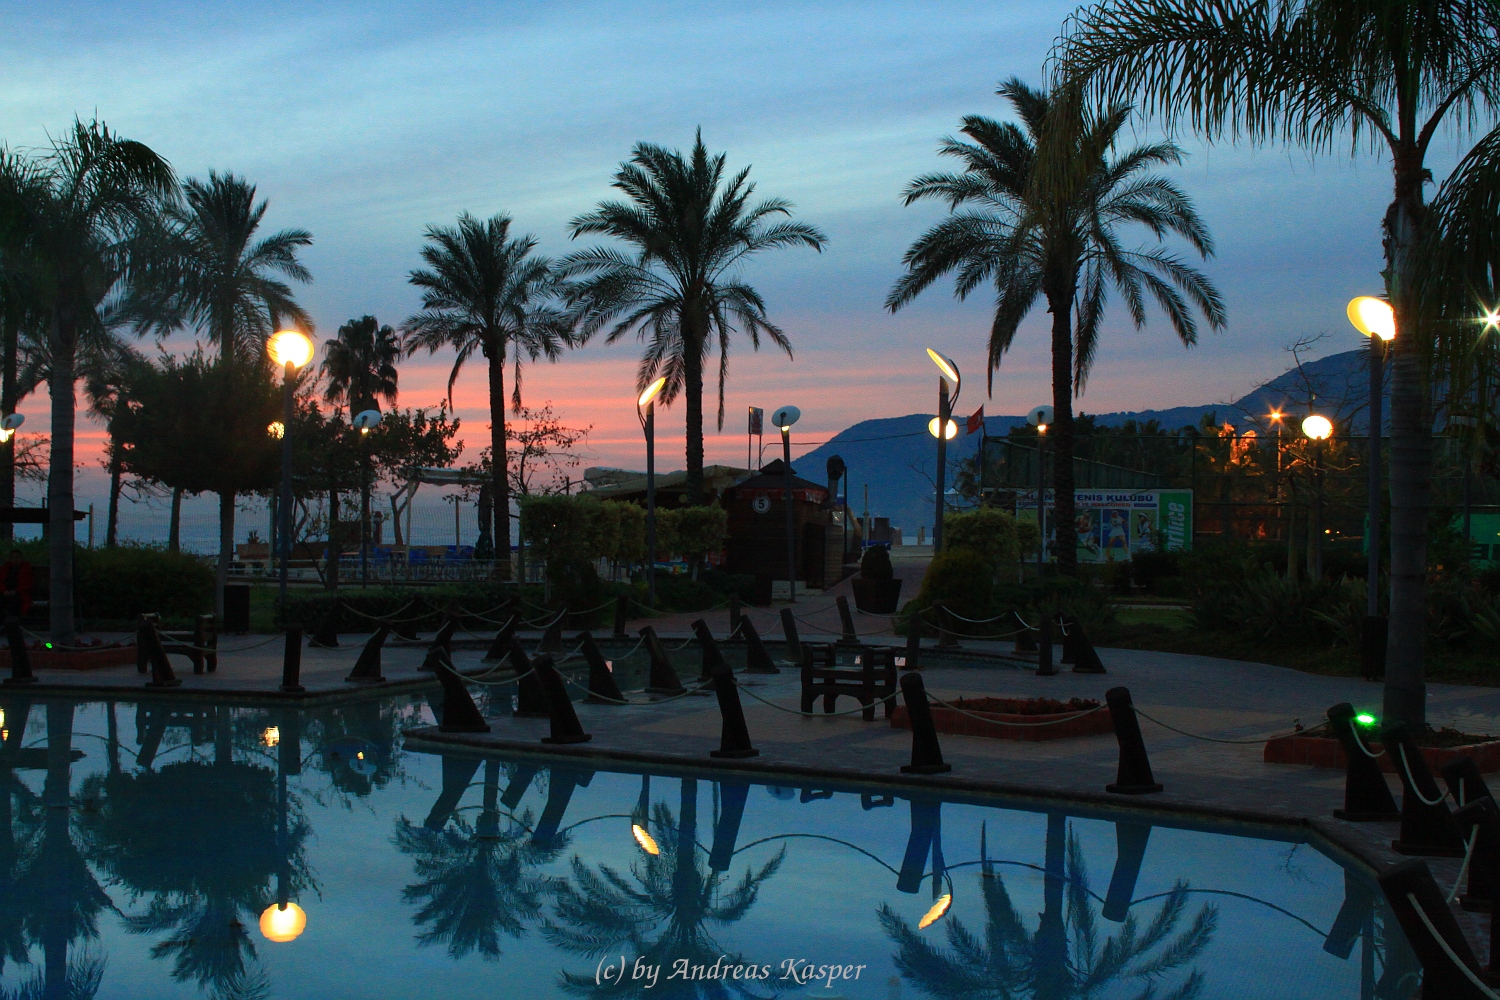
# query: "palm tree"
360 365
227 285
1048 199
690 233
76 216
485 291
1314 73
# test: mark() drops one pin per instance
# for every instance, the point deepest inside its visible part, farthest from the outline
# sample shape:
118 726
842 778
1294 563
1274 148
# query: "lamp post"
943 428
1318 429
365 421
784 418
1040 417
290 349
645 411
1375 319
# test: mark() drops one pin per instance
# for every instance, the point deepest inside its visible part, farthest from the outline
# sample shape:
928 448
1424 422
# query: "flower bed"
1063 720
105 655
1323 751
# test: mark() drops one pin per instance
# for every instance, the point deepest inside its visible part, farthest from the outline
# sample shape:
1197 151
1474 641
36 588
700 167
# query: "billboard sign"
1115 524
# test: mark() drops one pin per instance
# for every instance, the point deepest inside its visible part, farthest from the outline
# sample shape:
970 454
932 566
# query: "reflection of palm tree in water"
600 910
1009 962
477 881
208 883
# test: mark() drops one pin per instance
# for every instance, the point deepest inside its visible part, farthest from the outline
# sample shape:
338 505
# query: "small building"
671 487
757 531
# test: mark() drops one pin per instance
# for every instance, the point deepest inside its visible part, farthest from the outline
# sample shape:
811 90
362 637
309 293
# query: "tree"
360 365
485 291
1319 73
1048 199
690 233
78 211
407 441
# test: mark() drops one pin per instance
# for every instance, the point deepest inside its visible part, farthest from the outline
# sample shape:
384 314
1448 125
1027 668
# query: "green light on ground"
1365 719
49 645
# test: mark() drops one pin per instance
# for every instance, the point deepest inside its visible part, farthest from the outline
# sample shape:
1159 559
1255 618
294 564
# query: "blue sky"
365 122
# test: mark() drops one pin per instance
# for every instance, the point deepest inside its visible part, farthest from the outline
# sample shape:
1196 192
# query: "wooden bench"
204 636
870 678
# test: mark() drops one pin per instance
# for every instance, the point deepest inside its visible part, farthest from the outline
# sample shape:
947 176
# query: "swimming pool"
175 850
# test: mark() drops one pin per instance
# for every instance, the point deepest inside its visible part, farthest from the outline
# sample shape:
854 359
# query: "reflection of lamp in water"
938 909
283 922
647 842
640 816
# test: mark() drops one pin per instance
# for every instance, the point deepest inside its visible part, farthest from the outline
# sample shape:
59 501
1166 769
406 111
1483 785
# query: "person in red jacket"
15 585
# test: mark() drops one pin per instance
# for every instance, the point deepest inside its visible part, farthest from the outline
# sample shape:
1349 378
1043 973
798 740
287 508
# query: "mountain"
895 457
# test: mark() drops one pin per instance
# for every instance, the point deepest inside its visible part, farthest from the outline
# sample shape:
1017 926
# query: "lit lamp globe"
283 922
365 420
932 428
10 425
1373 317
290 347
1318 427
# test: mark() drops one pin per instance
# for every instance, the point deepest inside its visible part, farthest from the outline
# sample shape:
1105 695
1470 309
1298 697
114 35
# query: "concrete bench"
871 677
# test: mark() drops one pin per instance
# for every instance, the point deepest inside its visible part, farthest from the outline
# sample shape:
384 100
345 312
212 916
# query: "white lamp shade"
785 416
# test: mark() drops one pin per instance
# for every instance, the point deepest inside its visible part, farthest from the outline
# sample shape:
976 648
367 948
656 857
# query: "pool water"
155 850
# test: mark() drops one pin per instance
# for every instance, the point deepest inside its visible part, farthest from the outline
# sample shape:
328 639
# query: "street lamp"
1375 319
949 430
1317 428
645 411
1040 417
10 425
365 421
784 418
290 349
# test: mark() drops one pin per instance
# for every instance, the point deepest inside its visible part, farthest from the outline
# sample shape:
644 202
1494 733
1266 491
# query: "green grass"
1174 619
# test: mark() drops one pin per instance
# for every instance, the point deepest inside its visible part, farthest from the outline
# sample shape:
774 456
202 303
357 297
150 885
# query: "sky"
365 123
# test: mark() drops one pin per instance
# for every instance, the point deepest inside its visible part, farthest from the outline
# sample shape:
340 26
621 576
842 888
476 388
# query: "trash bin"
236 608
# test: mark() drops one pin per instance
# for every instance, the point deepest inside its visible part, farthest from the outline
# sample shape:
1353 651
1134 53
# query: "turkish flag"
976 422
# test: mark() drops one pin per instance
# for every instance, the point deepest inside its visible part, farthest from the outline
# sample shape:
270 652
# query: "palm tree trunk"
331 581
499 462
226 550
112 522
1411 465
60 476
9 348
174 526
1064 519
692 389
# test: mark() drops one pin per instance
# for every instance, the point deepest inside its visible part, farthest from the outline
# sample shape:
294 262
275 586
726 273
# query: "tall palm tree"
1314 73
229 285
360 365
690 232
1044 202
77 214
486 291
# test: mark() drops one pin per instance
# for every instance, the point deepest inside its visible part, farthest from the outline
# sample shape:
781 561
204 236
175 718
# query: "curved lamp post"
784 418
365 421
1376 320
645 411
945 424
291 350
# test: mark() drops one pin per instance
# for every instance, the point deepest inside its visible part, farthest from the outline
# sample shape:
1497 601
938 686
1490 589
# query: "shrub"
699 531
989 532
875 564
1268 606
959 580
118 584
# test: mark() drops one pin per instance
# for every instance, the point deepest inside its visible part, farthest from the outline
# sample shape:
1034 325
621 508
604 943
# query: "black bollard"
712 658
734 616
1353 917
1367 798
663 679
1449 968
734 737
732 795
603 690
1480 819
1085 657
531 697
162 674
291 663
460 714
1025 641
561 783
1044 666
552 640
926 819
444 635
500 647
846 623
367 667
789 630
1130 851
1428 829
142 622
757 660
1465 783
326 634
20 656
1069 639
1134 775
621 609
946 638
926 755
565 725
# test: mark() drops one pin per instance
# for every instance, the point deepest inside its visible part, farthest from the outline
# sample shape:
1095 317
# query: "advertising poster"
1115 524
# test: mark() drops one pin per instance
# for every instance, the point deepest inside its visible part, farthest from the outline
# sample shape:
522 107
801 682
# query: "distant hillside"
896 457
